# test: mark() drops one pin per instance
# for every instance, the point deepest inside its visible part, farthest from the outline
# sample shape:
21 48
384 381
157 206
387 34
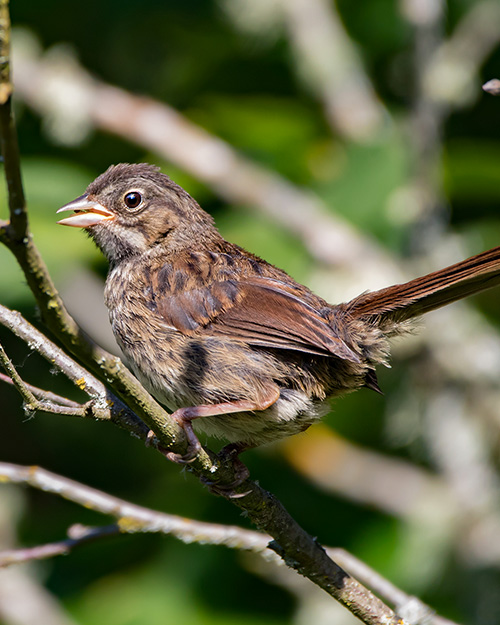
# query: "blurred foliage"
245 90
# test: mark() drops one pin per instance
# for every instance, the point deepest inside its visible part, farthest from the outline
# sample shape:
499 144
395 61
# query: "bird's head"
132 208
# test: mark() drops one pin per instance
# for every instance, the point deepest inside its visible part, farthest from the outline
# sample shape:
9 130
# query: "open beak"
87 213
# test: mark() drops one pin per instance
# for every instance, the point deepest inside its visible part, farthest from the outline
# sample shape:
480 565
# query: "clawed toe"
184 419
229 455
229 493
227 490
193 450
186 458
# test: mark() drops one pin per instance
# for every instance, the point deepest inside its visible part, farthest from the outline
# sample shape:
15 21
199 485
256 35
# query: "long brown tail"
416 297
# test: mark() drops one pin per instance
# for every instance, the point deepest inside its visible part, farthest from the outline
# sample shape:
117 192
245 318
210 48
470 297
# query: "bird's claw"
186 458
194 448
229 455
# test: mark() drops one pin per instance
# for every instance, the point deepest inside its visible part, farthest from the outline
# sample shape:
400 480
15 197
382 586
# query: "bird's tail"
402 302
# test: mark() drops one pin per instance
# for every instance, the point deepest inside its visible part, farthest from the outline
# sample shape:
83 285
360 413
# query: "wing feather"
259 311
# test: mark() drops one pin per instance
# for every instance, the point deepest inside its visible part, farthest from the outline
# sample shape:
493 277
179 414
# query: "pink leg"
185 417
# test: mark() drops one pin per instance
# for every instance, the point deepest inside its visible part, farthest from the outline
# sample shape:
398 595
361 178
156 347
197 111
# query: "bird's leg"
185 417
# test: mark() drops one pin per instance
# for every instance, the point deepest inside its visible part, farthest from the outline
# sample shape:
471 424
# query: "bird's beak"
87 213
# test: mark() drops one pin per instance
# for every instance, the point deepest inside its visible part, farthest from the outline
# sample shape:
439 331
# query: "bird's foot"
183 418
229 455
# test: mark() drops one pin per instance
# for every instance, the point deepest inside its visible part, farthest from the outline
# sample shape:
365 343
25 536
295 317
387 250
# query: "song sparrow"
220 335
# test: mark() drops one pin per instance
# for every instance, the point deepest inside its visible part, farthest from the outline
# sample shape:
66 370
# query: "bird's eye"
132 199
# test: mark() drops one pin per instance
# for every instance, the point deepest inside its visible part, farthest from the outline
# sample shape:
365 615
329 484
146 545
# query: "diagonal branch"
132 518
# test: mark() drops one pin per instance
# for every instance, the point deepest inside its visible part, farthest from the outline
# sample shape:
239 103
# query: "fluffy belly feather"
292 413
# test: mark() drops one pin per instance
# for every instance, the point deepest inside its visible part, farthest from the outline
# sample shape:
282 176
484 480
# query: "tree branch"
103 404
32 404
132 518
43 395
77 536
17 227
331 66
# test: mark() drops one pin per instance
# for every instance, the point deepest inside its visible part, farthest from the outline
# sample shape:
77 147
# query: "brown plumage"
220 335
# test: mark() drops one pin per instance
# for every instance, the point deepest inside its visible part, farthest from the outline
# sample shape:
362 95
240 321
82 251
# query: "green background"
245 89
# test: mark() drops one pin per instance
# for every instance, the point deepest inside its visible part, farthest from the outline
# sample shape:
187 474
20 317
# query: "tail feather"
401 302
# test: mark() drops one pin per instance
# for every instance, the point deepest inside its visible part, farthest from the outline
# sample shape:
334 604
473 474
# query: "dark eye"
132 199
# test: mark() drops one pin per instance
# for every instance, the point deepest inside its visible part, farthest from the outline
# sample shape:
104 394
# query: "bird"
225 340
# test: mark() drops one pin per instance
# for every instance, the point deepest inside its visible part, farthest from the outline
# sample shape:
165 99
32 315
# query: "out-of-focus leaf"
472 171
363 185
255 233
156 595
278 132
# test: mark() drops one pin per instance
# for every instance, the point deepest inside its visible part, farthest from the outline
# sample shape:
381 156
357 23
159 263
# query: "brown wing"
258 311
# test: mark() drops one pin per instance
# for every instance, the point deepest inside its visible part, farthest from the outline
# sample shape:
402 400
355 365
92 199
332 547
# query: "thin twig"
103 404
42 394
32 404
132 518
59 548
30 401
